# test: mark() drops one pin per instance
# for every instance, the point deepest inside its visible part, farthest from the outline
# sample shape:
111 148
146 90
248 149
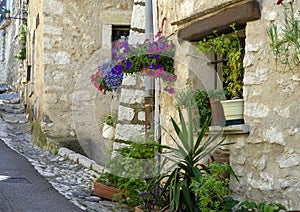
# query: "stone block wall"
11 67
267 160
71 40
131 111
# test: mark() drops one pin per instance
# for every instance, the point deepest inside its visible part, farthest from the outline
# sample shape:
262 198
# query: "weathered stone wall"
267 160
11 66
131 111
72 39
3 73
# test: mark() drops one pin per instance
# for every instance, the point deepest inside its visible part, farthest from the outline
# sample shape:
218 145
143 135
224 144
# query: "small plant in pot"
230 48
198 101
109 123
215 97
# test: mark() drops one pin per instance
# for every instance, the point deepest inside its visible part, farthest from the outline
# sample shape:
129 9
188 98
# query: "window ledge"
230 130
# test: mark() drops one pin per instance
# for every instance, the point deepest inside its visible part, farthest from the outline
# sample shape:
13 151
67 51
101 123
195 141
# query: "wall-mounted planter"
233 111
108 131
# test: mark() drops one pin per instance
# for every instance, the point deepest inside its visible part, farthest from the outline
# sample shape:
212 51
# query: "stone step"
14 118
12 108
3 88
10 97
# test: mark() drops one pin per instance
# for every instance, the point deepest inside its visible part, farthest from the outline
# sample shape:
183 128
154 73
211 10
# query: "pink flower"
147 71
166 47
159 72
156 74
174 78
167 77
171 91
158 50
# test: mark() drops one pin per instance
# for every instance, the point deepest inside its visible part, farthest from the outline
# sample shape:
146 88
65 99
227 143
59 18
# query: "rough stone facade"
267 160
131 111
10 67
67 40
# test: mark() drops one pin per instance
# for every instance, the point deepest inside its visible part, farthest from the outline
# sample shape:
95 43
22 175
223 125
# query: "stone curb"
80 159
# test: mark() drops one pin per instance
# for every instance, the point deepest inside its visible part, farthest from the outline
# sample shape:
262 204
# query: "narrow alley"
32 179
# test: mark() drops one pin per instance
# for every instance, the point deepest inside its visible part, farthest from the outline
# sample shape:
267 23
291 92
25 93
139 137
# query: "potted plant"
109 123
106 186
152 58
230 48
187 158
126 180
198 101
215 97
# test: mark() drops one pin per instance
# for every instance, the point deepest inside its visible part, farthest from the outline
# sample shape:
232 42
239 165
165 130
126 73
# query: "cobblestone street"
73 180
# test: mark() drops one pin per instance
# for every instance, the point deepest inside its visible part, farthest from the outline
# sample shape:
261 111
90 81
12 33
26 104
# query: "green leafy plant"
247 206
211 189
21 55
132 165
217 94
198 101
110 118
229 47
187 157
285 40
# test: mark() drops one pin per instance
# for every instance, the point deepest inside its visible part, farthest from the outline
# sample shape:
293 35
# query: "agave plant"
188 156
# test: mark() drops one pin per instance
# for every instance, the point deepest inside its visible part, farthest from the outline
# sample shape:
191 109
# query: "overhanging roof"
199 25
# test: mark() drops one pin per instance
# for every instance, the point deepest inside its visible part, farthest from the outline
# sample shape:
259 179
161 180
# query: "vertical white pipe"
149 36
156 81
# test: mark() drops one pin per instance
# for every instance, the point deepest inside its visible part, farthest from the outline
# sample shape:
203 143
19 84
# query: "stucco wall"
267 160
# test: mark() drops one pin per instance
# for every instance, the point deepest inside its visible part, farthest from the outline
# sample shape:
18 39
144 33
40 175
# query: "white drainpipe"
156 81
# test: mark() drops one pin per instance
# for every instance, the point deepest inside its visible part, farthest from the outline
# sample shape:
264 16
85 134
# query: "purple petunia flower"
151 66
113 80
155 56
117 69
128 65
158 65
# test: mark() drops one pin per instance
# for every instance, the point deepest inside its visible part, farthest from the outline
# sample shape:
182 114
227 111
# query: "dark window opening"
119 31
2 10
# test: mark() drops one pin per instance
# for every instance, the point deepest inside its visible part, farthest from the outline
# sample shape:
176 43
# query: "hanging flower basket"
154 58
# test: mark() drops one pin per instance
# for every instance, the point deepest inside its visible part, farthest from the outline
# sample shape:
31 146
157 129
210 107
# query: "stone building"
265 154
65 42
13 15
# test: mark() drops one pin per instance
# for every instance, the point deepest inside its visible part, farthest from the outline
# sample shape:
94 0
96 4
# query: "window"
119 31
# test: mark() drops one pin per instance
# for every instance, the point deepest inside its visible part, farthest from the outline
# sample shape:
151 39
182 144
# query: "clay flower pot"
104 191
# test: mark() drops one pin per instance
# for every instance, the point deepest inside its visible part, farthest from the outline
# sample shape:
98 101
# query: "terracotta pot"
216 111
137 209
104 191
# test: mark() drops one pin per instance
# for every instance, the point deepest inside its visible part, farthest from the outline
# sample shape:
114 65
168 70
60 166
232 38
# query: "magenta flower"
174 78
167 77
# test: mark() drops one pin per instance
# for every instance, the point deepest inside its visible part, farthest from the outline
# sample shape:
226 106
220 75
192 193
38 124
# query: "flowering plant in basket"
152 58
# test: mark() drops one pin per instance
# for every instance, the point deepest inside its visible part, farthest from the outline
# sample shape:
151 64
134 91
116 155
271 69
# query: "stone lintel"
205 23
